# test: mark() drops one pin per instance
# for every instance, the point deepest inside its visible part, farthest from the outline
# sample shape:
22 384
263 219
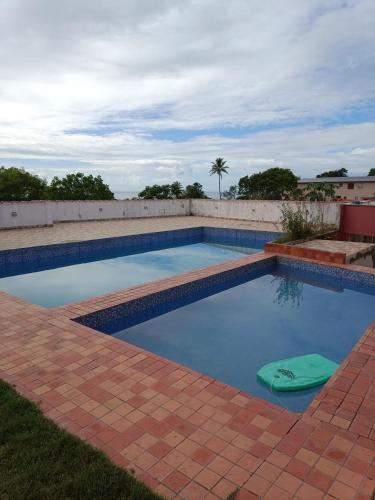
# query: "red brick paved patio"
183 433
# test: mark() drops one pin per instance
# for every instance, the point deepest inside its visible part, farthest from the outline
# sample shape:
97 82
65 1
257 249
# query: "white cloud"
124 70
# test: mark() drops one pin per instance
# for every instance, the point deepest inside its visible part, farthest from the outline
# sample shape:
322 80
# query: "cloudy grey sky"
146 91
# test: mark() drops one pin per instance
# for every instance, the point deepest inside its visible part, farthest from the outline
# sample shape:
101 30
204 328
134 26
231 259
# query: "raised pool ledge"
183 285
178 291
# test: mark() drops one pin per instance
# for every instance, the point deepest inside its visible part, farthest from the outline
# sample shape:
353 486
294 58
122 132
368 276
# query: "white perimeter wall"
261 210
42 213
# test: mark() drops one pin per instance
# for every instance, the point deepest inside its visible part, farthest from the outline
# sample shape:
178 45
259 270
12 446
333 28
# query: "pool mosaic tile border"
151 305
354 279
100 312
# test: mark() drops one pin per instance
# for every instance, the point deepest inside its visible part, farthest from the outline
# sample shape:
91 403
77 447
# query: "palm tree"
218 167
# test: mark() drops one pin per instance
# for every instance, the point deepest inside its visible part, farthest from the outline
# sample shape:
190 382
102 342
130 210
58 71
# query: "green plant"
300 221
160 192
219 168
341 172
296 222
79 187
194 191
231 194
272 184
18 185
319 191
233 495
174 190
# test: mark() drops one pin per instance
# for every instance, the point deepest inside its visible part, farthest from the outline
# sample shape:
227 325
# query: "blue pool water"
71 283
231 334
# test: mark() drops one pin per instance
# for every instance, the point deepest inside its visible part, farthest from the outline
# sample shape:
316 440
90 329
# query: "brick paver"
77 231
350 248
185 434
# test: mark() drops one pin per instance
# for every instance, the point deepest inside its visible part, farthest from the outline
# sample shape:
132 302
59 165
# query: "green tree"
176 190
160 192
272 184
79 187
218 168
18 185
231 194
372 171
194 191
298 194
319 191
244 187
341 172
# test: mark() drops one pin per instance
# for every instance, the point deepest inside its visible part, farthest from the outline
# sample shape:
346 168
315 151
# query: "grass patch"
233 495
38 460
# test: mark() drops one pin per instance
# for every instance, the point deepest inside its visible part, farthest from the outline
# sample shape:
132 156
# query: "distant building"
347 188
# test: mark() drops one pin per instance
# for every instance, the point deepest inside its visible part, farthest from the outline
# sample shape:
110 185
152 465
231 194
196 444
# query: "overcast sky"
152 91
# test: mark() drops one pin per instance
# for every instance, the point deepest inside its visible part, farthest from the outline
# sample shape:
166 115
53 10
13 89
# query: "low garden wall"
306 253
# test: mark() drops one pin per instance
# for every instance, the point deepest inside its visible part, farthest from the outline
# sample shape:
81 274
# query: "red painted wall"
358 219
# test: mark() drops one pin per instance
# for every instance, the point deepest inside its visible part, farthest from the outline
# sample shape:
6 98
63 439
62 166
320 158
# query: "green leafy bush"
299 223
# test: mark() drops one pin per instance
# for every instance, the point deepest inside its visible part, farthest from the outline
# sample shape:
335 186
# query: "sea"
129 195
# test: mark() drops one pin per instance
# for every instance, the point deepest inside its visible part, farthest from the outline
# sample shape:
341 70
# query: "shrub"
299 223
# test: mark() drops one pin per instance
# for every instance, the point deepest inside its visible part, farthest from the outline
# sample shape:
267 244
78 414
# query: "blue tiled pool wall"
238 237
26 260
329 276
125 315
40 258
113 319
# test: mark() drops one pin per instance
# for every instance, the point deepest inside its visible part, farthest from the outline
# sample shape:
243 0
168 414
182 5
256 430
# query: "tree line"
282 184
16 184
174 190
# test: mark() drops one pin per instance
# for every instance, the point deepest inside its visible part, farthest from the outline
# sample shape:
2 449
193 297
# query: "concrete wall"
259 210
42 213
24 214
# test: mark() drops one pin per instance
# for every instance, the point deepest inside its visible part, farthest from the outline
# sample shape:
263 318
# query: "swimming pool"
230 328
60 274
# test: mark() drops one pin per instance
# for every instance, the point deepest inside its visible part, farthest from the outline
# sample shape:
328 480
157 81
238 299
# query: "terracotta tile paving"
77 231
183 433
331 251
